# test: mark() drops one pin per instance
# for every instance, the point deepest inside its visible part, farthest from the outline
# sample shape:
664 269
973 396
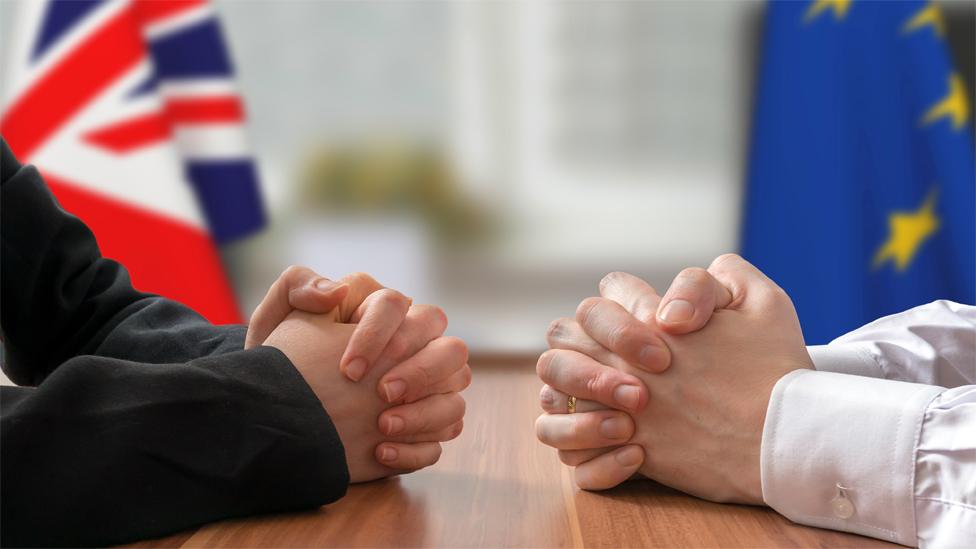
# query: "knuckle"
777 296
540 428
547 397
416 379
584 479
610 279
600 385
726 260
620 335
546 364
360 277
456 347
465 377
694 275
391 297
557 329
586 309
778 292
454 431
422 416
293 272
569 458
434 315
436 454
460 407
419 461
419 381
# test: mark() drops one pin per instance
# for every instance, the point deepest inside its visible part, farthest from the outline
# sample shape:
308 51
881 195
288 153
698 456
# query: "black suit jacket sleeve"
142 418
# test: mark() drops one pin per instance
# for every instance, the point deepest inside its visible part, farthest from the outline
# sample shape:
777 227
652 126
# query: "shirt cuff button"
842 507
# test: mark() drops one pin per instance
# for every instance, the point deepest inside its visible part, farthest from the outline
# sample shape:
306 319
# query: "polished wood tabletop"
497 486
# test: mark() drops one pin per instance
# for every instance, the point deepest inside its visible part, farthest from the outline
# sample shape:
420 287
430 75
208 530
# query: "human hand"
702 429
385 321
380 439
627 305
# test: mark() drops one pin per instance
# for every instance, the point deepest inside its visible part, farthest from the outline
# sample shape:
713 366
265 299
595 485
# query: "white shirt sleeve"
887 458
932 344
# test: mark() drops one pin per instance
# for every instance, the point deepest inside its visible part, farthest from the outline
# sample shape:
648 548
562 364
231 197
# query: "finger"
636 296
382 314
574 458
423 324
612 326
450 432
690 301
589 430
610 469
576 374
297 288
748 286
361 286
408 457
566 333
429 414
556 402
415 377
459 381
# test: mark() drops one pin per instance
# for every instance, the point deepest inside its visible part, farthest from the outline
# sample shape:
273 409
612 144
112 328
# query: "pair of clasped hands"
674 388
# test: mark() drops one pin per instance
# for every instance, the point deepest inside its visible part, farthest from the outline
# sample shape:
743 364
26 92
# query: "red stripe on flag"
73 82
163 256
131 134
151 11
205 109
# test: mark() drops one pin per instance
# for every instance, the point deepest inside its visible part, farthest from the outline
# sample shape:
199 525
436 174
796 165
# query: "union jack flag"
130 110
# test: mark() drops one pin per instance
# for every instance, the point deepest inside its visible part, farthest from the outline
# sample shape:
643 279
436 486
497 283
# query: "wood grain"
496 486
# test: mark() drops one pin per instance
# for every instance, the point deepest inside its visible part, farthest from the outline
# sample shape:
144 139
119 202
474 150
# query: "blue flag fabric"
860 196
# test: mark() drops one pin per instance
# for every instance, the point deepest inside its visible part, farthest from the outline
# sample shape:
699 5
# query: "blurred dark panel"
961 23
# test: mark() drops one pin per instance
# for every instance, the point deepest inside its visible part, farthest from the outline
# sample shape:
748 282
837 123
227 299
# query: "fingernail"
628 457
677 310
394 389
627 396
325 284
652 356
614 428
388 454
394 424
356 368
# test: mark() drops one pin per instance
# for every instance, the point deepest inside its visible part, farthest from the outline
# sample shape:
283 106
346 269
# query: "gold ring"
571 404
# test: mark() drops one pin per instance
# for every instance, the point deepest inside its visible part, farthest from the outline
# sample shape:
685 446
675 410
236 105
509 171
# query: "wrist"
749 476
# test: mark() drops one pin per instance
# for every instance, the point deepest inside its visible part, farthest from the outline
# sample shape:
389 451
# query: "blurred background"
498 158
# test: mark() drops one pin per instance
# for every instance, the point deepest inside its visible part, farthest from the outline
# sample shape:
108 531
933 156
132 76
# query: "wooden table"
496 486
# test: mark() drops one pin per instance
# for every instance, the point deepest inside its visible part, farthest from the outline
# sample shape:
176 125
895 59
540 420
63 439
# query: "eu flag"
860 198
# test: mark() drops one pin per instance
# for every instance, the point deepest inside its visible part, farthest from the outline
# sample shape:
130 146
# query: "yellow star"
840 8
929 15
908 231
953 105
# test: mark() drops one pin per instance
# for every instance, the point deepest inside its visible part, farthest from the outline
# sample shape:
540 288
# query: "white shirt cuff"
846 358
825 429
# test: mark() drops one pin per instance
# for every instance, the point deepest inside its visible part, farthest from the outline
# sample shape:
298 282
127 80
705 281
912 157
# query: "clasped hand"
386 375
673 388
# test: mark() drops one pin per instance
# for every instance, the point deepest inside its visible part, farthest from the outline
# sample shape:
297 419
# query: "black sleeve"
62 299
145 419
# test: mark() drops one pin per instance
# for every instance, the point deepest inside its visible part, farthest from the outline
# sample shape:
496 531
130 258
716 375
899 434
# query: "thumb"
610 469
297 288
690 301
